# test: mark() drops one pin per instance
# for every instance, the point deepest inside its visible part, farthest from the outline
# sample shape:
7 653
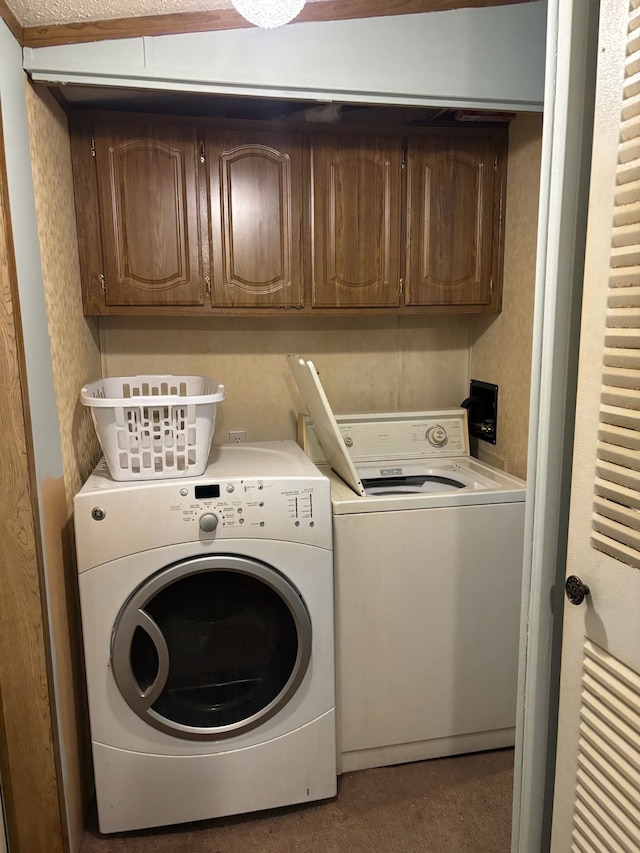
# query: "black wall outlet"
482 409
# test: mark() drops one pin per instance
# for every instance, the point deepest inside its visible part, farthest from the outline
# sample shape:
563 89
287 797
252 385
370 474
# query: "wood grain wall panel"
75 355
64 621
28 752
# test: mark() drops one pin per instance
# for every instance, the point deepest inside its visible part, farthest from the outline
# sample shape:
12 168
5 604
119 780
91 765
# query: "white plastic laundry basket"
154 426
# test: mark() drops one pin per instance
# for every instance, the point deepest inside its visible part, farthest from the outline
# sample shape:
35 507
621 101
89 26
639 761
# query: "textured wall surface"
501 347
365 364
74 339
75 358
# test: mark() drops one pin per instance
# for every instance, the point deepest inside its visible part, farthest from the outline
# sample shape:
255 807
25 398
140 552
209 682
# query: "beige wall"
74 338
76 358
501 345
366 364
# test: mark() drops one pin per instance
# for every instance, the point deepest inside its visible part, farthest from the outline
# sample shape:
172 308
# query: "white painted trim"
569 97
376 74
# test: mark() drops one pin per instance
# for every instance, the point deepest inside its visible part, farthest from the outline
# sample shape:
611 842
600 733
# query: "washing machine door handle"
139 698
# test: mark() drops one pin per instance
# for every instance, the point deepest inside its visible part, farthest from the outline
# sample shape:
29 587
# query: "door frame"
570 61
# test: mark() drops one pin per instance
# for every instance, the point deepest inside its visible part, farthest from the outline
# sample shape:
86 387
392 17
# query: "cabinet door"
256 215
450 210
356 221
148 190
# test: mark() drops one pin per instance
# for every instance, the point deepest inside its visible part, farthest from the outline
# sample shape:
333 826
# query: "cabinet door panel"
356 221
148 189
255 193
450 186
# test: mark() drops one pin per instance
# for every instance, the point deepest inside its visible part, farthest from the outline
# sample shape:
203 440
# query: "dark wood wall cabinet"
178 215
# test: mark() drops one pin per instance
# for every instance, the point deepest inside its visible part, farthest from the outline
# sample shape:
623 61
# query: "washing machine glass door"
211 647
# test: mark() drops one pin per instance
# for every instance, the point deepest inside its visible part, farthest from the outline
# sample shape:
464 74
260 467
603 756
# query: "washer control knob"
208 522
436 435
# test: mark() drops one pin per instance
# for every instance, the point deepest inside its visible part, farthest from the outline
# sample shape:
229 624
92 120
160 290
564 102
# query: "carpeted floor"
447 805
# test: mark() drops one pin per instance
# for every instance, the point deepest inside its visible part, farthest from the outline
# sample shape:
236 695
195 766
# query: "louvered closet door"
597 794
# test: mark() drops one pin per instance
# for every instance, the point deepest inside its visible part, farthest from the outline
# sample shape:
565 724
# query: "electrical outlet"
237 436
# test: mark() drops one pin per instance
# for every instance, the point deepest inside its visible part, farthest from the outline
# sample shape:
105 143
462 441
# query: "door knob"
575 589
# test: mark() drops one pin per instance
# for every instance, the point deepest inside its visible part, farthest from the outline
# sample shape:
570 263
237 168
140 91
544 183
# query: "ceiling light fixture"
269 13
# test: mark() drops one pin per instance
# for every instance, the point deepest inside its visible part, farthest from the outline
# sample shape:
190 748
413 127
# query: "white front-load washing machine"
207 614
428 552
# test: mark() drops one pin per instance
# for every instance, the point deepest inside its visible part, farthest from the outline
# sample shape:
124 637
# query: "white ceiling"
33 13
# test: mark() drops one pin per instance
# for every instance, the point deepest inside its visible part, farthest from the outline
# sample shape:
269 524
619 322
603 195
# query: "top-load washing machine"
428 569
207 613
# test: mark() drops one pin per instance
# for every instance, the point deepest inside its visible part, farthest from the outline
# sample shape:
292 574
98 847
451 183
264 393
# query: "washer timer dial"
208 522
436 435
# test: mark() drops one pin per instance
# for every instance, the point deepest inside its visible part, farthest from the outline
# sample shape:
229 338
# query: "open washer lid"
315 399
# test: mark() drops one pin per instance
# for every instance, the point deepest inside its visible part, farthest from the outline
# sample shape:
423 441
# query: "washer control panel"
129 520
244 505
405 435
114 519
